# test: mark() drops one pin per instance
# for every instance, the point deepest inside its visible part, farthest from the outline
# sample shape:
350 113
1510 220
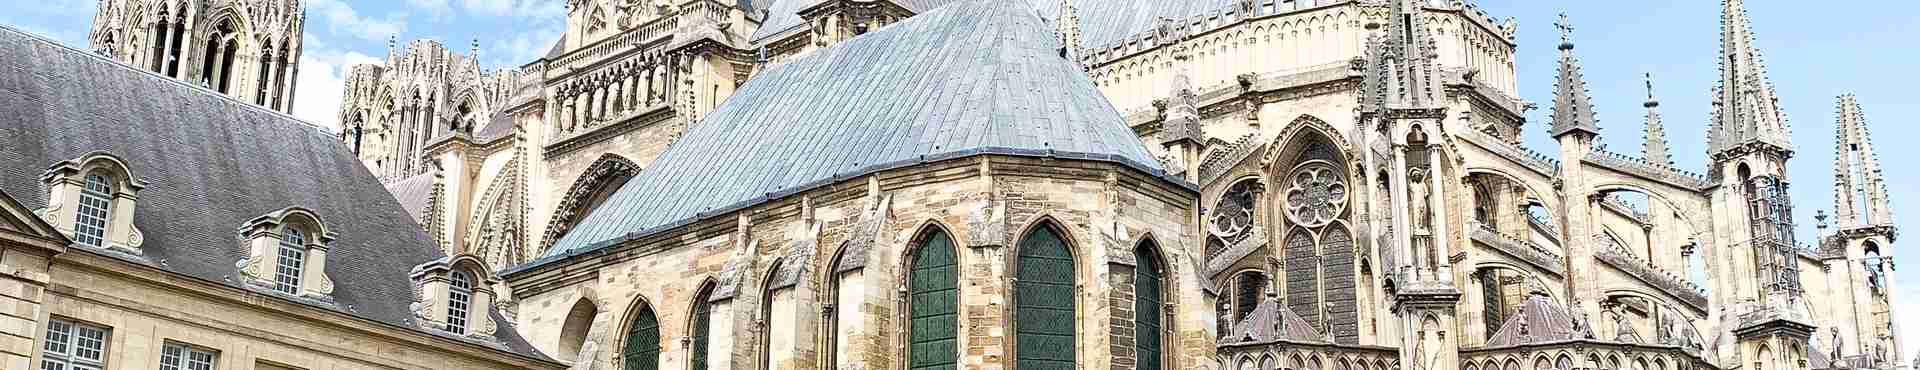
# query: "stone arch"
594 186
574 330
641 313
1288 141
1688 214
1018 264
1533 191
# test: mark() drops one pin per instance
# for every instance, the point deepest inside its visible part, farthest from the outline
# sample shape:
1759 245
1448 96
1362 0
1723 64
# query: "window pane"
1043 301
292 259
643 342
459 300
932 306
90 227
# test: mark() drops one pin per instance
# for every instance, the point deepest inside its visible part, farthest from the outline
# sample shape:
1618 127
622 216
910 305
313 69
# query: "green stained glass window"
1147 307
702 314
643 341
1044 303
932 289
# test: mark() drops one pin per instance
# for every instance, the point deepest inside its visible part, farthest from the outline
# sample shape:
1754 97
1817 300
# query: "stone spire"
1572 110
1655 149
1402 74
1745 109
1180 122
1067 29
1859 190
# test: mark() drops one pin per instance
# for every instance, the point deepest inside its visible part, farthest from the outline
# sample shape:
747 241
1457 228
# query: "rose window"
1317 195
1233 215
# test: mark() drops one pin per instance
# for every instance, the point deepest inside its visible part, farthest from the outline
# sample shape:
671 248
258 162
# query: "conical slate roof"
973 77
1539 320
1271 321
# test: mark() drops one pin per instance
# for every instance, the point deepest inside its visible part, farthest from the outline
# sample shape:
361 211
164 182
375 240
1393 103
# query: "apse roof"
970 78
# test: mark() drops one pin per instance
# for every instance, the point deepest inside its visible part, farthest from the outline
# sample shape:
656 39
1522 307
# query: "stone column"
1402 229
1438 207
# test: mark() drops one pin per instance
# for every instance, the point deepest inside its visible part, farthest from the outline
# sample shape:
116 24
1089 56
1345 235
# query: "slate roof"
784 15
1105 22
1539 320
1271 321
974 77
212 163
412 193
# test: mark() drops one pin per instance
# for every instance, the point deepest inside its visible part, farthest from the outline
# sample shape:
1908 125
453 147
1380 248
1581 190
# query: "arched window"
266 62
770 324
292 261
459 300
1044 302
698 327
280 78
933 299
1542 364
643 341
1148 309
96 209
1511 365
573 332
1564 363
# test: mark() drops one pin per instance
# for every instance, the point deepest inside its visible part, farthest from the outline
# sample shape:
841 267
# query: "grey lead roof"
784 15
978 76
1104 22
212 163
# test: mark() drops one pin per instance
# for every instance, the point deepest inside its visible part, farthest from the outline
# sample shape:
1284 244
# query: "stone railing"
1539 163
1217 163
1615 255
1621 206
1527 251
1649 170
664 26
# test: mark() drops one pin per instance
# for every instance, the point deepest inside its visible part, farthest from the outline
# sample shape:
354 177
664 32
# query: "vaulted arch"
601 179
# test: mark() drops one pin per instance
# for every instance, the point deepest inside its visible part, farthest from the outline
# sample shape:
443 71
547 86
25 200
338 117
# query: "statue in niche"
1835 334
1418 201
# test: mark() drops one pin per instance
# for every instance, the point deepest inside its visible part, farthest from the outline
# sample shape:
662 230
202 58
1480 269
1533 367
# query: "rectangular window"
176 356
459 300
90 227
74 346
293 255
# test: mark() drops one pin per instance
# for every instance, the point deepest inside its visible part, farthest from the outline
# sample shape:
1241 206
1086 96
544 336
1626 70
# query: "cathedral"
915 184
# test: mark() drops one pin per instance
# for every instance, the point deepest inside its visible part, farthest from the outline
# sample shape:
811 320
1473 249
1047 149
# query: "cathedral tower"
248 50
1401 100
1749 145
1865 232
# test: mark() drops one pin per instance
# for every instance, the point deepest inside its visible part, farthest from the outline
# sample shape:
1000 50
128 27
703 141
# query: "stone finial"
1572 110
1566 31
1655 149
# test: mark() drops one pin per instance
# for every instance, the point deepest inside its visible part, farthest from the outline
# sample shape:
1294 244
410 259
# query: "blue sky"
1814 51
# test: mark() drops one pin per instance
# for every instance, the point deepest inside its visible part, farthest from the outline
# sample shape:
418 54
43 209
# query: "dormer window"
455 295
293 257
459 301
92 199
287 253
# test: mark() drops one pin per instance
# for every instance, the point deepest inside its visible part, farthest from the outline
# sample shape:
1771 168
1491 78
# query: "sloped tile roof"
212 163
1105 22
1271 321
1539 320
974 77
413 193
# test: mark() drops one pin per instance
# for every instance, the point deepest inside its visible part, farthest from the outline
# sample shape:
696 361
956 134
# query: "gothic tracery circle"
1316 194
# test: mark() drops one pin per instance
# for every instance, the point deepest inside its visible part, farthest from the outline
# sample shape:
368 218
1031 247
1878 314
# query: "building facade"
249 50
1338 183
211 233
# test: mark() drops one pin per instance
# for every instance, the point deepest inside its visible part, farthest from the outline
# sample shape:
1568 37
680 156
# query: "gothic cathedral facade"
1324 184
249 50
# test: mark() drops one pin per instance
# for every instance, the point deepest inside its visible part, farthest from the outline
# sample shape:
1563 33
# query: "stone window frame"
266 237
186 356
915 247
460 301
433 285
66 183
67 334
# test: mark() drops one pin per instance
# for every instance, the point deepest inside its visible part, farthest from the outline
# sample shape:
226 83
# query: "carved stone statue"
1835 334
1420 205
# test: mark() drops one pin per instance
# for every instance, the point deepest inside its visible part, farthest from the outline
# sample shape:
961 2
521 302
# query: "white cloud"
322 79
342 18
526 46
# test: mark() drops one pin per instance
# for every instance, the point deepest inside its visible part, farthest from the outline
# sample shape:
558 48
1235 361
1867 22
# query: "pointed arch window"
96 210
933 298
1044 302
697 328
642 351
1148 306
459 300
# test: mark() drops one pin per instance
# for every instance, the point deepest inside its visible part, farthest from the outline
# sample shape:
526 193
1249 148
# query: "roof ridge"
116 63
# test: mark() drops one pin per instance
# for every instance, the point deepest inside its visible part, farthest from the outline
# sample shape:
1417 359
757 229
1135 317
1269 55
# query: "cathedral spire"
1859 190
1067 29
1745 109
1572 110
1655 149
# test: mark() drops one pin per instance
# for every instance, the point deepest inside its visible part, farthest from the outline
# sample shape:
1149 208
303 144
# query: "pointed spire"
1745 109
1859 189
1655 149
1181 118
1409 55
1067 29
1572 110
